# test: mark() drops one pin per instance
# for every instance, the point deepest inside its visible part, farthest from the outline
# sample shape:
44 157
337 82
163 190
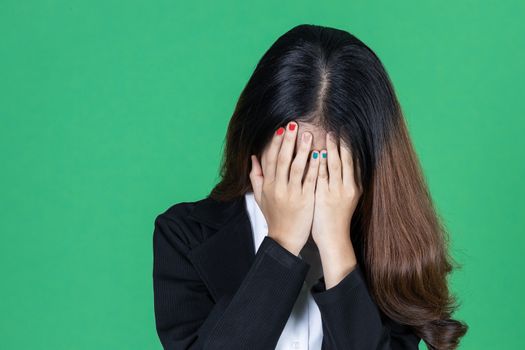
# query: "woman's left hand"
336 197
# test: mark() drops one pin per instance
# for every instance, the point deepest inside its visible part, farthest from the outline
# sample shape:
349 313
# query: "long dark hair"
328 77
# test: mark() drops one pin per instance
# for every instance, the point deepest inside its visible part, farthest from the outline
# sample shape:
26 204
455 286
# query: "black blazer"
211 291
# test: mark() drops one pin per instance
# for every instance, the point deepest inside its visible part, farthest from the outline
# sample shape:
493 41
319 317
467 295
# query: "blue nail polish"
315 155
324 154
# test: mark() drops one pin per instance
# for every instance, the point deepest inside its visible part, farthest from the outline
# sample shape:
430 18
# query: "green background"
113 111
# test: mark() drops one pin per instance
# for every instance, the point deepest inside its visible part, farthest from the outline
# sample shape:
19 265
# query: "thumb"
256 178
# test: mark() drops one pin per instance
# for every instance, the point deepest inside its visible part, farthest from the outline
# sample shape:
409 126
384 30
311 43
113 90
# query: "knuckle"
279 195
349 193
282 158
295 170
267 186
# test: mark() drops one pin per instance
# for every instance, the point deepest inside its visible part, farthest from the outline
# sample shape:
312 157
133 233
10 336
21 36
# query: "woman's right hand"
285 200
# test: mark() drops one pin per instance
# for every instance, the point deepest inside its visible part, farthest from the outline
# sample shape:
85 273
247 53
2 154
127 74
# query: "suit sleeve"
253 318
351 320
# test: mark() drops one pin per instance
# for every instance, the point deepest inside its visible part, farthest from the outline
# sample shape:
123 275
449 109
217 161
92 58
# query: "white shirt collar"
257 219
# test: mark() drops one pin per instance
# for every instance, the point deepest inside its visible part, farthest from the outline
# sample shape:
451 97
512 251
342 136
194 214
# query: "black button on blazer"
212 291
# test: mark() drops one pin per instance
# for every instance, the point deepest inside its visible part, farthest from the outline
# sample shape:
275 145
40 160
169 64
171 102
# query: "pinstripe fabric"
213 290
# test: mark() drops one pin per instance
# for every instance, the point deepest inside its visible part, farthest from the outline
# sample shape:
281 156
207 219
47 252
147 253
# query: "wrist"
339 241
338 260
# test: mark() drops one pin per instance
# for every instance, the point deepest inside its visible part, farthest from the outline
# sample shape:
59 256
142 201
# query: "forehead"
318 133
314 129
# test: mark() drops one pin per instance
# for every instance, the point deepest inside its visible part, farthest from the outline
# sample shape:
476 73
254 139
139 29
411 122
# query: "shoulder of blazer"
215 236
196 221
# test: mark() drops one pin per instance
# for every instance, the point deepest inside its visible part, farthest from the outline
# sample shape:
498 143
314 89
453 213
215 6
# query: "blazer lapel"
227 252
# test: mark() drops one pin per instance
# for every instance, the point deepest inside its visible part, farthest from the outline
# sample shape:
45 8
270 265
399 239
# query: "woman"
321 233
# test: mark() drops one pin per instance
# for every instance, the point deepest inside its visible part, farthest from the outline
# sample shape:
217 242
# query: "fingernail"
324 154
280 131
291 126
315 155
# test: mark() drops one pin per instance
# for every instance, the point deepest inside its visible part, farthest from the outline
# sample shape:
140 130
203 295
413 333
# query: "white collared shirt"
303 330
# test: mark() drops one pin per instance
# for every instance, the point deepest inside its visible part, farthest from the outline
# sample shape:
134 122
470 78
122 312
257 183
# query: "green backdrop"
112 111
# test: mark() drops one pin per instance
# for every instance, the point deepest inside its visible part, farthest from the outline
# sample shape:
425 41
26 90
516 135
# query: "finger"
299 163
269 156
347 163
334 161
285 154
322 178
310 179
256 178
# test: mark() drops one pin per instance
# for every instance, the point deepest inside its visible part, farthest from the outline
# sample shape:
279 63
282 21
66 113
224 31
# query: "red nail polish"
280 131
291 127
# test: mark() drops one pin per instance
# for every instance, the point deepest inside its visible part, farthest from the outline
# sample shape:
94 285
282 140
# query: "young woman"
321 233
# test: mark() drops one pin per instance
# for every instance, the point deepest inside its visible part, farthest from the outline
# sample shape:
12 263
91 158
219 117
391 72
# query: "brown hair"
329 77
